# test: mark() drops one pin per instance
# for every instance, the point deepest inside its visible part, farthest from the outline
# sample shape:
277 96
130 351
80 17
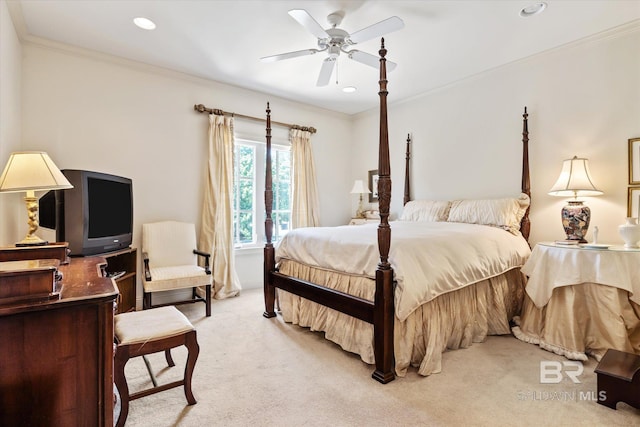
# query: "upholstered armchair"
171 262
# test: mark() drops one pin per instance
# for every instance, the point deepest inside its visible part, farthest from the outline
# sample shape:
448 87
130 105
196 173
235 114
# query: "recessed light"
144 23
349 89
533 9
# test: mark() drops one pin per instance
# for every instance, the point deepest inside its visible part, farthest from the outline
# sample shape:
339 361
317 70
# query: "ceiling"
441 43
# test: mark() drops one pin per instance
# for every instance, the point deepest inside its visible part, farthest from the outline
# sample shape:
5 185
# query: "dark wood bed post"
407 182
269 251
525 224
384 306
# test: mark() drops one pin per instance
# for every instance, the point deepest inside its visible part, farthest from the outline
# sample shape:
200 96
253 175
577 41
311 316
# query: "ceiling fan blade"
307 21
370 60
326 71
372 31
288 55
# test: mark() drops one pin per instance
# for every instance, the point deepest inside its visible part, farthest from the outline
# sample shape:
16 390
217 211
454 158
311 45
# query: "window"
281 175
244 194
248 194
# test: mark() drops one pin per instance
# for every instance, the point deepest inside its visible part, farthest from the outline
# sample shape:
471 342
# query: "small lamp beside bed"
575 180
359 188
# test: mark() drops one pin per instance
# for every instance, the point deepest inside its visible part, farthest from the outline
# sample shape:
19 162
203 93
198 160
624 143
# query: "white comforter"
428 258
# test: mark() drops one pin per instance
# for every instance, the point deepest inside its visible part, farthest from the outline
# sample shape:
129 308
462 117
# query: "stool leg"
120 360
191 342
150 371
167 355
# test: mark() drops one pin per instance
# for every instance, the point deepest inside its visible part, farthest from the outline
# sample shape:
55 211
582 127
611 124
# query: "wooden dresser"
56 354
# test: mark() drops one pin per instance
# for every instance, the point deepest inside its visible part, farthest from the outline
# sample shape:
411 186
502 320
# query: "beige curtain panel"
305 205
216 233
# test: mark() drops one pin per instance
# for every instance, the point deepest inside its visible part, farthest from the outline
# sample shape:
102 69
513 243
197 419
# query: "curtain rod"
202 109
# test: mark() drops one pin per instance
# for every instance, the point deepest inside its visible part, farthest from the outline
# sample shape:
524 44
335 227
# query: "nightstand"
552 265
360 221
581 299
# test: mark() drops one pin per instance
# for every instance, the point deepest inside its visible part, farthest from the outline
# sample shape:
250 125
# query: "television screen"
109 207
95 216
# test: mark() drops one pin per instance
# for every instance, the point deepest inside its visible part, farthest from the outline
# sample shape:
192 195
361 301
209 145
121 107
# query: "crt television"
95 216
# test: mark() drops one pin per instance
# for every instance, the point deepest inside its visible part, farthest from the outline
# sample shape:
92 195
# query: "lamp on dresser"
31 171
359 188
575 181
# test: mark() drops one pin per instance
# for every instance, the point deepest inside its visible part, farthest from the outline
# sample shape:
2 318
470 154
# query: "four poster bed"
450 276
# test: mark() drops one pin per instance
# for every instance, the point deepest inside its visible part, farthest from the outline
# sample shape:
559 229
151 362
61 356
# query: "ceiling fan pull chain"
336 71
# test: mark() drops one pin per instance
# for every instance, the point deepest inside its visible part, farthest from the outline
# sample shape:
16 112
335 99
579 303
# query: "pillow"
503 213
426 210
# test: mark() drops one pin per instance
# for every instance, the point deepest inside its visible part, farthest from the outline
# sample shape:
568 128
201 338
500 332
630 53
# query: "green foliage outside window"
245 217
281 170
243 195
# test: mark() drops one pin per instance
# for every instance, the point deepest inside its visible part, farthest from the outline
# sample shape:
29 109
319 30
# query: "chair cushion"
150 325
169 243
177 277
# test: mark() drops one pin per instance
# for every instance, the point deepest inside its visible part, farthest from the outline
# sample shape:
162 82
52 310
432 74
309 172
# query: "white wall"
92 111
95 112
583 99
12 209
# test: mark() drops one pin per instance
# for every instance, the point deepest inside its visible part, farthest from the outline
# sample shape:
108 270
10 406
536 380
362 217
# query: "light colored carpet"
254 371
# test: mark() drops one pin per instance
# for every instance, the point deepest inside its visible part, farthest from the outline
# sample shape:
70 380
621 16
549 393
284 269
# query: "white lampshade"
359 188
32 171
575 180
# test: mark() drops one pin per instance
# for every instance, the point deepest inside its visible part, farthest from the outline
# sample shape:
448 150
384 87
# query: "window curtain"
305 205
216 233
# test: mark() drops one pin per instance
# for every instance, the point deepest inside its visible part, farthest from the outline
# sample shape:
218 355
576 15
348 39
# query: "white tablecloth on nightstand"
581 301
551 266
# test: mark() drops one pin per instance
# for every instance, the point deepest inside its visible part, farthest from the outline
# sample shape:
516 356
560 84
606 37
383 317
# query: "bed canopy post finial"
384 168
383 315
269 251
407 183
268 190
525 224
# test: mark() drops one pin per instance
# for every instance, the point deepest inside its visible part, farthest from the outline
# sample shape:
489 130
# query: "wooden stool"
619 379
150 331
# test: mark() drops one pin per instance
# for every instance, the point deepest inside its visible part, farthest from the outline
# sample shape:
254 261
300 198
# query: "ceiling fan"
335 40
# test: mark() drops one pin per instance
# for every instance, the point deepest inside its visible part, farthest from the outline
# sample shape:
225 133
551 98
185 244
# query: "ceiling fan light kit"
335 40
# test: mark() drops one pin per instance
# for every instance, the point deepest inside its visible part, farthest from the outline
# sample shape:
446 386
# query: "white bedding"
428 258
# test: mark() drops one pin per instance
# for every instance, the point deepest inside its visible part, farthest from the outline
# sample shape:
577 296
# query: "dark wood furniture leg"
124 352
269 251
208 300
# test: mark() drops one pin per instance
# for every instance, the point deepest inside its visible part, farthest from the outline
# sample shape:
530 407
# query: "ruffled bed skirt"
451 321
582 320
